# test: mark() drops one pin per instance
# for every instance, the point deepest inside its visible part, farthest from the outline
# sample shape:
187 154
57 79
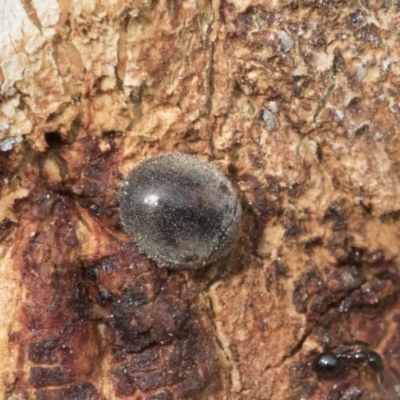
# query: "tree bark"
297 102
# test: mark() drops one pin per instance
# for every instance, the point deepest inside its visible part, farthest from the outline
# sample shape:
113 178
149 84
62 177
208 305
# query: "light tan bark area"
296 101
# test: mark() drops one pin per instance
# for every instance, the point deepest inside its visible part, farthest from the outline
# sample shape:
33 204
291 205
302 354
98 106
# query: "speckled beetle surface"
180 211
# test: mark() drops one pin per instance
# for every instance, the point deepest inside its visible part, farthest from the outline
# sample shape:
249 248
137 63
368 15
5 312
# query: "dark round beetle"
180 211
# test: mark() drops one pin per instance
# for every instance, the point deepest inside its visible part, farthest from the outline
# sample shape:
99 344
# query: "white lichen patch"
9 143
273 106
361 72
386 64
339 115
286 41
269 119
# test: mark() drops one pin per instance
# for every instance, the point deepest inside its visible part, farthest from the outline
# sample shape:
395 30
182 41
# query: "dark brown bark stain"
153 335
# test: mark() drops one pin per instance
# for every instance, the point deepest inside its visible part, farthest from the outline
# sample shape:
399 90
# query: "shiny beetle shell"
180 211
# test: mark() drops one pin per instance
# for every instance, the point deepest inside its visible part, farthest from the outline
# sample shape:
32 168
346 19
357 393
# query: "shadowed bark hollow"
297 102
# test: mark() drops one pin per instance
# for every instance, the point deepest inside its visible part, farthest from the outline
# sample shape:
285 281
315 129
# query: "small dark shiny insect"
327 365
363 357
358 358
180 211
375 361
330 365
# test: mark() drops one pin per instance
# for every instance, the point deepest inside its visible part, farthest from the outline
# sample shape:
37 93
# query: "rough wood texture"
296 101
